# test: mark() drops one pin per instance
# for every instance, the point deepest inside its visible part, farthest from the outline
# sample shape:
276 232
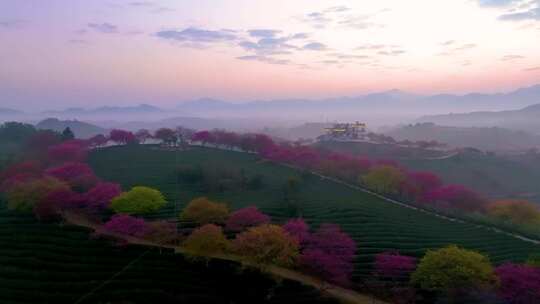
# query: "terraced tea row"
46 263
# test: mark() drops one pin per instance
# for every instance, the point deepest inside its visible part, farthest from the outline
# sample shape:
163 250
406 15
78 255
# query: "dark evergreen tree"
67 134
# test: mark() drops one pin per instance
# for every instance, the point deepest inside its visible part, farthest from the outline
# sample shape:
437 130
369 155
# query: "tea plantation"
47 263
375 224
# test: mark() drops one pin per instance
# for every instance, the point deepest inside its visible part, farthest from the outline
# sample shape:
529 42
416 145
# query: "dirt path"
341 294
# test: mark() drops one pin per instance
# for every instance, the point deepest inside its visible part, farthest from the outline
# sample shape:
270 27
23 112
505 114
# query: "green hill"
376 225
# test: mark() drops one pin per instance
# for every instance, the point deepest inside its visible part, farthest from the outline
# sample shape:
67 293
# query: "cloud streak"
193 36
105 28
517 10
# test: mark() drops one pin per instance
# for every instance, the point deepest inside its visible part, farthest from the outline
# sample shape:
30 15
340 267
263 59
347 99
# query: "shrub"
453 268
139 200
519 284
203 211
267 244
126 225
244 218
206 240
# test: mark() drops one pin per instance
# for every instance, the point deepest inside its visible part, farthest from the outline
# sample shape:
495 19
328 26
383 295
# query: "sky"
78 53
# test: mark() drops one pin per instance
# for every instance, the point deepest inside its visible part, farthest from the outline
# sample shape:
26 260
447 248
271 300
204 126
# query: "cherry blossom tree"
51 206
244 218
143 135
393 266
167 136
78 175
419 183
67 152
202 136
99 197
329 254
184 135
126 225
456 197
299 229
30 167
519 284
98 141
36 145
122 137
24 195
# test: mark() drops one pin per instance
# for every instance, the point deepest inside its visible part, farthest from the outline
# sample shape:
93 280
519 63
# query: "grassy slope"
375 224
46 263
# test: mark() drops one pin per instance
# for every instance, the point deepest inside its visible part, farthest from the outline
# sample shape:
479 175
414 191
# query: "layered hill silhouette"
483 138
80 129
525 119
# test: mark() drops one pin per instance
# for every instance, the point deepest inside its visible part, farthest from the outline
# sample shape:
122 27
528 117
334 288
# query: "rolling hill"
80 129
525 119
375 224
483 138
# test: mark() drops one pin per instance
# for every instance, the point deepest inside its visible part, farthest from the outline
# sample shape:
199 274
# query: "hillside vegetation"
375 225
495 176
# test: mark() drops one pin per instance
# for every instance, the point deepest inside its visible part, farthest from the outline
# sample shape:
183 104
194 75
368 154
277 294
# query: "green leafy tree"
206 240
453 268
267 244
204 211
23 196
139 200
384 179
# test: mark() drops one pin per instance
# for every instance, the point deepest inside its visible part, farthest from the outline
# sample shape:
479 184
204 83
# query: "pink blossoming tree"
244 218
